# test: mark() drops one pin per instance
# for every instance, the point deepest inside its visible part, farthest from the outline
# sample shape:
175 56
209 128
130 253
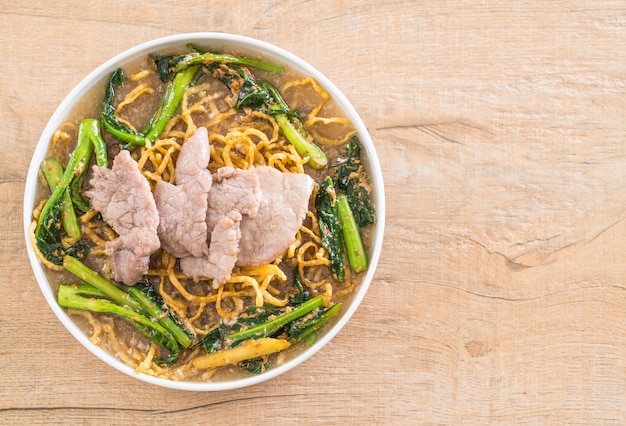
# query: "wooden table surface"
500 295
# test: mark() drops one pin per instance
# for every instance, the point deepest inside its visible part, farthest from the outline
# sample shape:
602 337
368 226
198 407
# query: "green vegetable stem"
351 179
268 328
170 102
48 230
351 236
330 226
140 305
87 298
53 172
294 130
107 114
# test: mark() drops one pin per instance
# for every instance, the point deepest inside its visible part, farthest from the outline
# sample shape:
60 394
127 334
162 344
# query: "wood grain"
500 295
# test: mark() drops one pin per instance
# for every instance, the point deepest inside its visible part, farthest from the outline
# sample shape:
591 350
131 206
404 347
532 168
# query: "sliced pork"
123 197
253 217
283 207
219 264
238 217
233 190
182 207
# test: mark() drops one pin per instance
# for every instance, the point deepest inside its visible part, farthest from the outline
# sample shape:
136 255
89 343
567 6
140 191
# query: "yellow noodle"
118 349
330 142
198 313
313 120
40 256
311 234
94 238
264 270
250 282
308 80
132 96
87 216
271 121
269 294
317 259
181 289
146 364
96 328
159 156
140 75
292 248
179 307
218 306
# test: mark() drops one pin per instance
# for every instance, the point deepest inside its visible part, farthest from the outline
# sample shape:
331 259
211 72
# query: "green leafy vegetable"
87 298
255 365
351 179
152 304
268 328
169 65
298 321
170 102
168 106
89 129
107 114
295 323
110 290
140 305
344 205
294 130
48 230
259 95
306 329
330 226
262 96
351 236
53 172
249 93
302 293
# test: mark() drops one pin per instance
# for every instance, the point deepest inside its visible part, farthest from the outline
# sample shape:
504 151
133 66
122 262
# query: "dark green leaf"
330 228
351 178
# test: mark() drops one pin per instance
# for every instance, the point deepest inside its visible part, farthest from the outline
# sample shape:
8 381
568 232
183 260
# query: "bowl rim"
231 41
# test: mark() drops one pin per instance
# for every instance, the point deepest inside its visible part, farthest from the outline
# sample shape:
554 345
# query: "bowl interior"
215 41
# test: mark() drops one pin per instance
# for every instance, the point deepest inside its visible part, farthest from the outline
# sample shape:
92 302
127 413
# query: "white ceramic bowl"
217 40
